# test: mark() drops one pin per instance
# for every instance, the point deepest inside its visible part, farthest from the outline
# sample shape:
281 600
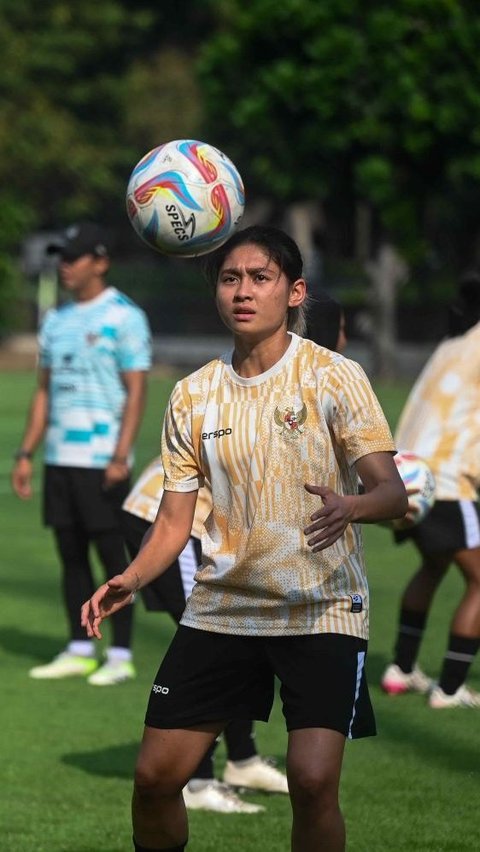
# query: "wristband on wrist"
22 454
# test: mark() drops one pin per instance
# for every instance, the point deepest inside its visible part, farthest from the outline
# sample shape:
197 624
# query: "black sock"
148 849
457 661
410 634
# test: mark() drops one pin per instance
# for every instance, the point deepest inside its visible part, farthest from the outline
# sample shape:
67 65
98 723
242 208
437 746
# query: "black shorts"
168 592
76 496
450 525
212 677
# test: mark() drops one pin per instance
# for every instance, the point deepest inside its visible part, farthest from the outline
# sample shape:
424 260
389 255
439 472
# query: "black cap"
84 238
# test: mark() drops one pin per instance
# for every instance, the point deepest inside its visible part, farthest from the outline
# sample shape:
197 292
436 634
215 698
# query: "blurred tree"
86 88
369 106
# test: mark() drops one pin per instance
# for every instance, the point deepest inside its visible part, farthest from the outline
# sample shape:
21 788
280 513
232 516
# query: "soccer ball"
185 198
419 482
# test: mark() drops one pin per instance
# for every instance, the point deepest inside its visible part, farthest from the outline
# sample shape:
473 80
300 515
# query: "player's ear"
298 293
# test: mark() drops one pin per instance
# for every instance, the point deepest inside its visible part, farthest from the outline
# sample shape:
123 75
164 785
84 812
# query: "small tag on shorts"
357 603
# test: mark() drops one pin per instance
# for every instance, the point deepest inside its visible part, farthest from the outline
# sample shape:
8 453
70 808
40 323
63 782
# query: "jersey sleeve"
134 351
358 422
180 463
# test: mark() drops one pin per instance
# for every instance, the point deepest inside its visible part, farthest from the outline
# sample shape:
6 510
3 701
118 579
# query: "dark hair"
279 246
464 312
324 317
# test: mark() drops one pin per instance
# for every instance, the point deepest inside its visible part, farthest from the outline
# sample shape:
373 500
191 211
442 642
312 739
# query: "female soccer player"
281 429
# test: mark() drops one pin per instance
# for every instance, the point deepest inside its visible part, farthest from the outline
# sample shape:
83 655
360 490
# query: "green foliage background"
357 106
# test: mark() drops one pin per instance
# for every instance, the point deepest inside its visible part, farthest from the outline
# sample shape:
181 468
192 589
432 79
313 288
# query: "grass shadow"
38 646
111 762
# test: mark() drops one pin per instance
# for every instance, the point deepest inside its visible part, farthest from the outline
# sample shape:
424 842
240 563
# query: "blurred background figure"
95 352
441 423
326 322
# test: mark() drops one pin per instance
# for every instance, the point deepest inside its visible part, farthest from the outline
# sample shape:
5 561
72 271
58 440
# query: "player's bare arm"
36 424
169 535
135 382
384 499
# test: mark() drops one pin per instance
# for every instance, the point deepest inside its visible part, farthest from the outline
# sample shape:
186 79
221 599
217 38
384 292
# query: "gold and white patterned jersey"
257 441
145 496
441 418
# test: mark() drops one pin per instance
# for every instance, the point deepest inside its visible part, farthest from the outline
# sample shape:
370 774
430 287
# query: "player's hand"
115 472
22 479
329 522
108 599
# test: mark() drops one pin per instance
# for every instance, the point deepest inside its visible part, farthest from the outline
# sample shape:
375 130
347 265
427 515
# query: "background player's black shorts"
165 593
213 677
75 496
449 526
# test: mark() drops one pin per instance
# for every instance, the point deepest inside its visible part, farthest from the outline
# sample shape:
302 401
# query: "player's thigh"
468 561
314 761
168 758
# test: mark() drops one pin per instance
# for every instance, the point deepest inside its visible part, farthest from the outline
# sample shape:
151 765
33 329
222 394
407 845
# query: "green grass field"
68 749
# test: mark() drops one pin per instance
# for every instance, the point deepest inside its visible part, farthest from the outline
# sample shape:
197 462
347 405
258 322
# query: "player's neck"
90 290
254 357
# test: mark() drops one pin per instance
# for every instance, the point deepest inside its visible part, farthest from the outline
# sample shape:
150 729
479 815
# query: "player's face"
253 294
78 275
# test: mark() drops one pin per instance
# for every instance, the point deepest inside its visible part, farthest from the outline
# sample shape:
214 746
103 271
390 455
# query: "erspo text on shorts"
158 689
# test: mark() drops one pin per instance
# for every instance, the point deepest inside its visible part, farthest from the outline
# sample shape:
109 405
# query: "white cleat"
214 796
463 697
258 773
396 682
112 672
65 665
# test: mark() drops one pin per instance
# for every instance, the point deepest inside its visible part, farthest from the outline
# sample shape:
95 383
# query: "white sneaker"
258 773
112 672
215 796
396 682
463 697
65 665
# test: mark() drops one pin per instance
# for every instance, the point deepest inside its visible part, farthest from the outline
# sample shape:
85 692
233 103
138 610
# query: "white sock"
81 648
117 655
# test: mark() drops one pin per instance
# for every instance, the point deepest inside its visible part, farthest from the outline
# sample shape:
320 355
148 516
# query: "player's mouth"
242 314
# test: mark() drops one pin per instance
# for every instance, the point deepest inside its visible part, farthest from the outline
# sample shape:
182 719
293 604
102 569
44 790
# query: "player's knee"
313 787
152 780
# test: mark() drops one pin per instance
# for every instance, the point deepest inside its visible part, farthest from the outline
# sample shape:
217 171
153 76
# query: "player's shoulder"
330 363
57 314
117 297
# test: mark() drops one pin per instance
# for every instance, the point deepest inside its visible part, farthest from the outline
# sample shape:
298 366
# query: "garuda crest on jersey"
290 420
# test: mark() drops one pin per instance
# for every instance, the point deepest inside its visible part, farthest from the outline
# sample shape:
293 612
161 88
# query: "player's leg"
77 585
314 762
325 700
463 640
403 675
166 761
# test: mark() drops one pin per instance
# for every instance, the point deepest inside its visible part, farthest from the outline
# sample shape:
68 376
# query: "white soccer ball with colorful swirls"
419 482
185 198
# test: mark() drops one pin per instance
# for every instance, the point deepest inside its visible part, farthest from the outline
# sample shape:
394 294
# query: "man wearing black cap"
94 356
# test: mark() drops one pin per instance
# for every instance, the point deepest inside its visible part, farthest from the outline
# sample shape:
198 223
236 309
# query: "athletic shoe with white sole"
215 796
112 672
65 665
463 697
396 682
258 773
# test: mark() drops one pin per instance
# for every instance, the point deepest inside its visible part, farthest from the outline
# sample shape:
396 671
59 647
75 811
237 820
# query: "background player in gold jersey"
441 423
281 429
